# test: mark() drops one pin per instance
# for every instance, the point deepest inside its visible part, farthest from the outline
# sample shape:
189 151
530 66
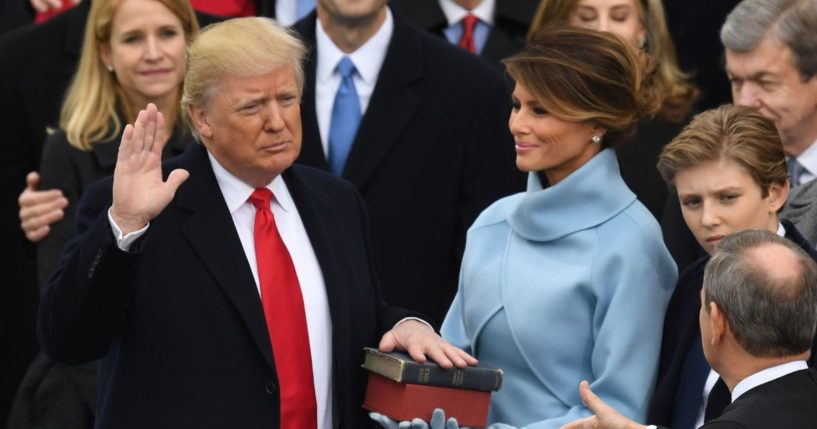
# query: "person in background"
226 287
491 29
729 171
417 126
757 320
133 53
643 25
569 282
770 59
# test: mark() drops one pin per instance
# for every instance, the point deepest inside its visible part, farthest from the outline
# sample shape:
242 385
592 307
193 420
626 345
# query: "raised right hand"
39 209
139 193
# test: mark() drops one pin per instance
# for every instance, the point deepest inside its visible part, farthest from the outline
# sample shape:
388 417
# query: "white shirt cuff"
414 318
124 242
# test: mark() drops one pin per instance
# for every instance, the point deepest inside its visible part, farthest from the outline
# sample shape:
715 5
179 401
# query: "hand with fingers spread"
421 342
606 417
139 192
438 421
39 209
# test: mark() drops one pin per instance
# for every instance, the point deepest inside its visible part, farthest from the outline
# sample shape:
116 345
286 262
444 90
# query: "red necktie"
286 320
467 40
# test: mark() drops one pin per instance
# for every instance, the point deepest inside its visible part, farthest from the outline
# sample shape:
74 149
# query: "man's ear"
200 121
718 323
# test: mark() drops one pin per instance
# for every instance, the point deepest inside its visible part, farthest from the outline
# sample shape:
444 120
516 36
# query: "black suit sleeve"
83 306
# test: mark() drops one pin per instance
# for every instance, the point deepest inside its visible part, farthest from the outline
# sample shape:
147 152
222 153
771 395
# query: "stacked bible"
403 389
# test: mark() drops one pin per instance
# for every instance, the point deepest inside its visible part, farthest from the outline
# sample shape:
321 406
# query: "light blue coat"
560 285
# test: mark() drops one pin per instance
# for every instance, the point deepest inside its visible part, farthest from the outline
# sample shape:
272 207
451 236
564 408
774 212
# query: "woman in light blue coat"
571 281
567 282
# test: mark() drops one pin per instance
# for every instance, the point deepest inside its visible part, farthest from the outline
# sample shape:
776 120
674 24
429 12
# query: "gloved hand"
437 422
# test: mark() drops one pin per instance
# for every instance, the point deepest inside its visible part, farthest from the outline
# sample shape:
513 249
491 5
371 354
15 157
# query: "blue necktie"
345 117
796 171
303 7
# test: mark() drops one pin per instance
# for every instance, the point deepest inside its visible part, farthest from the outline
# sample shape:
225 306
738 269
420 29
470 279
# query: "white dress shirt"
368 60
454 14
310 277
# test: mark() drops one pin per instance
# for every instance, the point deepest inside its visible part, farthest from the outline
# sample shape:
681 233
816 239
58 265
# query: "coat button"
271 388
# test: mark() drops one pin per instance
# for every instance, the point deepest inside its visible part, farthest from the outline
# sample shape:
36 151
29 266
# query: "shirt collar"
454 13
368 59
236 192
765 376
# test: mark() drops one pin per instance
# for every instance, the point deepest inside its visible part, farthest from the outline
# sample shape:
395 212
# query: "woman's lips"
155 72
714 238
522 147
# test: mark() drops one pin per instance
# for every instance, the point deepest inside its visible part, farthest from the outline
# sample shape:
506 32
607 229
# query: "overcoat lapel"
392 106
212 236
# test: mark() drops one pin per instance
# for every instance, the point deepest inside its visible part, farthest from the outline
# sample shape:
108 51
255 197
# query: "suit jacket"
787 402
178 320
508 33
432 150
801 210
681 328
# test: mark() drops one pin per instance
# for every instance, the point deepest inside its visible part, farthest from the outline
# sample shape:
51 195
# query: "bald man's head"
766 287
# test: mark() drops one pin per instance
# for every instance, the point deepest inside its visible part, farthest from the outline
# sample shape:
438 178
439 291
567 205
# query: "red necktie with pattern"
467 40
286 320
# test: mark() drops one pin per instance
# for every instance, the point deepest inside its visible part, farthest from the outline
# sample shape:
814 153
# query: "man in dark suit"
499 31
758 320
429 149
163 279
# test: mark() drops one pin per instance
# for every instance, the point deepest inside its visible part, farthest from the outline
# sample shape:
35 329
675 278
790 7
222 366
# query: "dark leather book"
400 367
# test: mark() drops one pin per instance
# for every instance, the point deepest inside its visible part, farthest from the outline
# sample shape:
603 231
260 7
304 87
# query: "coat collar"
588 197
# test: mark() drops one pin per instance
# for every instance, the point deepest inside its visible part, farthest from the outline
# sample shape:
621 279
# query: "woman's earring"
110 68
596 139
642 42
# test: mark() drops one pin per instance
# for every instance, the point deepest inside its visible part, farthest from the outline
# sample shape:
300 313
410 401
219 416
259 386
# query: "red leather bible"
402 401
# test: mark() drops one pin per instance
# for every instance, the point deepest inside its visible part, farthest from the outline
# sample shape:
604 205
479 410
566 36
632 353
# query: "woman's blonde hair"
735 133
677 92
95 99
584 75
